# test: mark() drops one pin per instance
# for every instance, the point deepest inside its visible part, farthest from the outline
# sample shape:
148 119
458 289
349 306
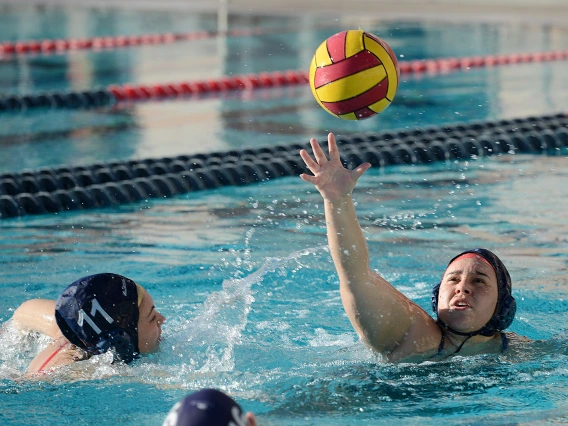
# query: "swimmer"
96 314
473 300
208 407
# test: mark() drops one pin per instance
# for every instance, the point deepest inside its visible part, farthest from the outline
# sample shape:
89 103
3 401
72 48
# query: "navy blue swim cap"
506 305
99 313
207 407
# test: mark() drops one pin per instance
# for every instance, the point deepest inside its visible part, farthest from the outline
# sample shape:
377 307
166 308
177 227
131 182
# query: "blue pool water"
243 274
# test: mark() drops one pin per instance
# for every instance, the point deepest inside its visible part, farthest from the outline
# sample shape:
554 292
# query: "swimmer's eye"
154 318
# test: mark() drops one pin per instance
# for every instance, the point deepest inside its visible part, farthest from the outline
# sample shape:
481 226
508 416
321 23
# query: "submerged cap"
506 304
100 312
207 407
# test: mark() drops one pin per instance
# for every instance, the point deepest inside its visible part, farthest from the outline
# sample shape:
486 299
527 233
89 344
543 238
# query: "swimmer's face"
149 325
468 295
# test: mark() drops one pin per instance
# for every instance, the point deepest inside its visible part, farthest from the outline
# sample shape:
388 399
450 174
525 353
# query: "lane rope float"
59 189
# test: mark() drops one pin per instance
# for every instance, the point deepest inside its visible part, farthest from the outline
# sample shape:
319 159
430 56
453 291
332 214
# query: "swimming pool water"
243 274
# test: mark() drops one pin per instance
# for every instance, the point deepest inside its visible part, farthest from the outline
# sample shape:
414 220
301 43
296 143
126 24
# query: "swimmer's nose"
161 319
463 288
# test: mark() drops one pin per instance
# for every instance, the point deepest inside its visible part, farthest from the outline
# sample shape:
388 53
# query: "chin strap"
459 333
462 343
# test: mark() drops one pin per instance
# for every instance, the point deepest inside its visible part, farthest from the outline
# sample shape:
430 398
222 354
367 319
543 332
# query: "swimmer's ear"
251 418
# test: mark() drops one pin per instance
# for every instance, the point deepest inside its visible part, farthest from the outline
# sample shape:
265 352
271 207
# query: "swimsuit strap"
52 356
504 343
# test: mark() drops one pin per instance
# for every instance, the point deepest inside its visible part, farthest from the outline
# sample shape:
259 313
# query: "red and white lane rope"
291 77
47 46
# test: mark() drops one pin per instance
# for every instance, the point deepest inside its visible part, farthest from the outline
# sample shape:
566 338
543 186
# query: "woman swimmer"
473 301
93 315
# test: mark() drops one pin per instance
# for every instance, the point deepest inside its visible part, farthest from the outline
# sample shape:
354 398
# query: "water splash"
204 346
17 349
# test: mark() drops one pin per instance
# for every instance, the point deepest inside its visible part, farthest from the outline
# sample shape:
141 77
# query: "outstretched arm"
384 318
37 315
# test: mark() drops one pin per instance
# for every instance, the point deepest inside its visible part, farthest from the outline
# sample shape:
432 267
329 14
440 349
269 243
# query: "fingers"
320 157
318 152
308 178
312 165
332 147
358 172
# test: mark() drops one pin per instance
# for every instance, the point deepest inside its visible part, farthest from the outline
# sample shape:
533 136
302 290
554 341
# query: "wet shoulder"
514 339
57 354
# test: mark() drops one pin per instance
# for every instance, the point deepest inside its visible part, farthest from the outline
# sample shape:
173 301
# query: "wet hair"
207 407
506 304
99 313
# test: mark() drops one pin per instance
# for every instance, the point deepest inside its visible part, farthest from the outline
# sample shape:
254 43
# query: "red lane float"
132 92
113 42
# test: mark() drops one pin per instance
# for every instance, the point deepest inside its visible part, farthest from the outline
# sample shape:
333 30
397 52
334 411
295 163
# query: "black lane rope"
52 190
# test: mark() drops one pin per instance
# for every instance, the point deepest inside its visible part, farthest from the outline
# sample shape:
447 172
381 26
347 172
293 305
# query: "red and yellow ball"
354 75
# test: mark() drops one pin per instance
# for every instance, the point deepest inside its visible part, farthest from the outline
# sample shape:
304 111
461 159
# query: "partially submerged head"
149 323
474 296
105 312
208 407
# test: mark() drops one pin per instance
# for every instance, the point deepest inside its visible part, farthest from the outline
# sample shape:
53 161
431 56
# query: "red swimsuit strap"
52 356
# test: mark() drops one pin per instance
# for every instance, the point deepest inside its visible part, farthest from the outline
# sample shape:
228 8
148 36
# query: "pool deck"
526 11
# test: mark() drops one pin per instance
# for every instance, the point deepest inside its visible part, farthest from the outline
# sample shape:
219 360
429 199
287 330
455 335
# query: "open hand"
331 179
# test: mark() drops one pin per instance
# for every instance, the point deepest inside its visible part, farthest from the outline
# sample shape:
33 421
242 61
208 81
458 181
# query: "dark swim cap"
207 407
100 312
506 304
